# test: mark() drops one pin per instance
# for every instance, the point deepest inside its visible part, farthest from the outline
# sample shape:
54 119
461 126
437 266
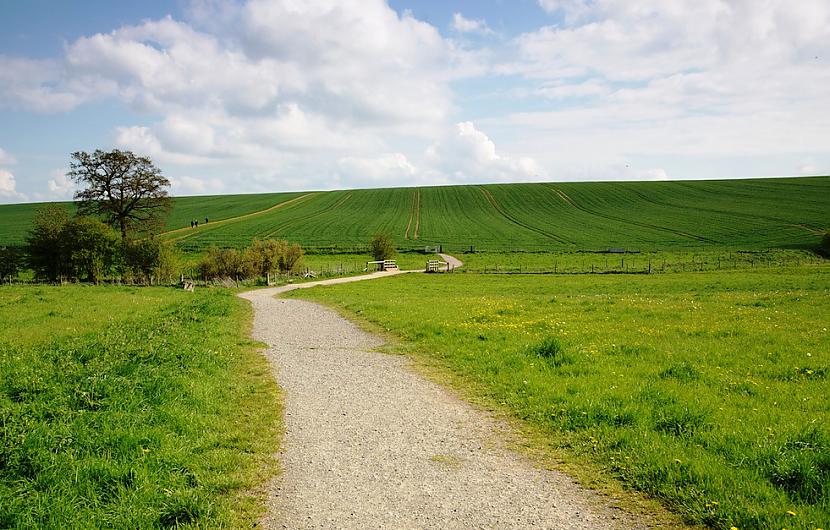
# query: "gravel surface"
452 261
371 444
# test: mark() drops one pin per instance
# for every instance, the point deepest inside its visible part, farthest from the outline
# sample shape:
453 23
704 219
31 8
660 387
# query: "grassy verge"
131 408
706 391
659 261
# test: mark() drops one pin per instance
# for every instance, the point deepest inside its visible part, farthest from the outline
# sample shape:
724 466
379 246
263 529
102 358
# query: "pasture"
131 408
707 390
643 216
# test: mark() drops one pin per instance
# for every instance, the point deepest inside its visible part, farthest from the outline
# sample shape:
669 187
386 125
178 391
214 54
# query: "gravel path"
371 444
452 261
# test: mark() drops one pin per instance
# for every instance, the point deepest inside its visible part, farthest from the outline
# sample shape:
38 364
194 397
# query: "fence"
640 265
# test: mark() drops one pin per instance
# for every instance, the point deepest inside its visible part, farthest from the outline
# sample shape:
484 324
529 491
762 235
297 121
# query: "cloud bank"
277 94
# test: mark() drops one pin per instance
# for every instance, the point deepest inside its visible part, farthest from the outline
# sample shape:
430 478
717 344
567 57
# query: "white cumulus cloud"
8 187
60 187
468 154
462 24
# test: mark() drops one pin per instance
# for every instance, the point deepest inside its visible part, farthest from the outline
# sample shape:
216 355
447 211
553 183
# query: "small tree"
45 249
382 247
292 258
92 247
127 190
223 263
152 258
263 257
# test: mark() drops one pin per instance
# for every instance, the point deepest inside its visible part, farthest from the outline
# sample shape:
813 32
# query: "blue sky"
271 95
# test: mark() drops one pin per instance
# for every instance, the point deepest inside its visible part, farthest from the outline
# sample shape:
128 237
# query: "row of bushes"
62 247
258 260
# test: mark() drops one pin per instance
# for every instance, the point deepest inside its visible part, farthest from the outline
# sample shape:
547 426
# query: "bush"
74 248
224 263
263 257
382 247
46 255
152 259
91 248
825 244
11 261
292 258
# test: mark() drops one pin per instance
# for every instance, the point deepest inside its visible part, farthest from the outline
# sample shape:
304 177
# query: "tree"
11 260
825 244
92 248
45 249
382 247
125 189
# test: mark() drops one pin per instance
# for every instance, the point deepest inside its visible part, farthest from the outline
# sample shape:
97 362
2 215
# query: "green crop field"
131 408
746 214
706 390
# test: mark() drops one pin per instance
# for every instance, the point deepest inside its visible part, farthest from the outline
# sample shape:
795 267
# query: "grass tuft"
551 349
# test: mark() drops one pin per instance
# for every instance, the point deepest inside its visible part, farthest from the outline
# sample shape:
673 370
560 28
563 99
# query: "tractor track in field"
742 215
293 222
371 443
189 232
503 213
568 200
414 214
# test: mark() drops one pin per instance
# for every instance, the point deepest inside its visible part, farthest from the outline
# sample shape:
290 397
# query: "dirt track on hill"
369 443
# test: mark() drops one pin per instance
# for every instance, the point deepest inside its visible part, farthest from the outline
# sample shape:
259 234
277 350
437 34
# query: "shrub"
92 249
292 258
45 250
382 247
11 261
224 263
152 258
263 257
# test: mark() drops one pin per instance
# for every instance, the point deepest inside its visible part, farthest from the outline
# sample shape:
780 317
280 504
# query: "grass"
707 391
645 216
131 408
663 261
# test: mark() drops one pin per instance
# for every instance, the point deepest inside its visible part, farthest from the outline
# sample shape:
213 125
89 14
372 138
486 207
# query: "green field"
16 219
746 214
707 391
131 408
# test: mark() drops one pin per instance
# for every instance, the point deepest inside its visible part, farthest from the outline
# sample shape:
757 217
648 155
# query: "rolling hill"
750 214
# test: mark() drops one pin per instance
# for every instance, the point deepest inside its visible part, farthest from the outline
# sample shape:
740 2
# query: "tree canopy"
128 191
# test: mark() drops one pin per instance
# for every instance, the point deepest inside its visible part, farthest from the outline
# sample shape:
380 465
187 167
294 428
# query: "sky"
253 96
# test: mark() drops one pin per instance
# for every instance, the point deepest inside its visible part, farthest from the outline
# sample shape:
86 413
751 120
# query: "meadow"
707 391
132 408
643 216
